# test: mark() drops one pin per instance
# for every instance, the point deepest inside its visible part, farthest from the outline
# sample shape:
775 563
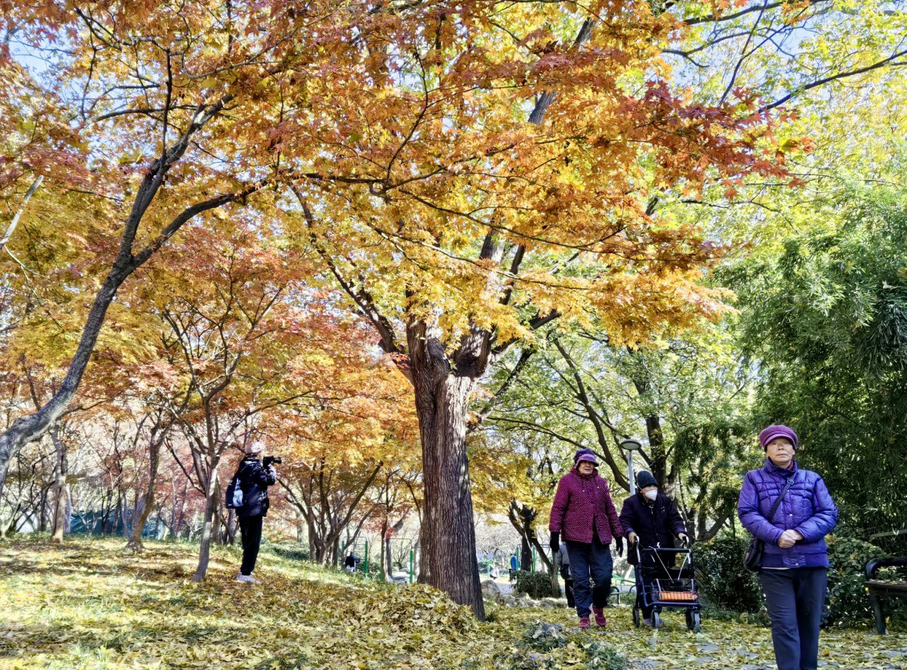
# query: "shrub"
536 584
723 581
848 602
292 551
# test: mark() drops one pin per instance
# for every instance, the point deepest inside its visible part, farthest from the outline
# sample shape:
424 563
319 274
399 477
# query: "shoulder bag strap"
790 482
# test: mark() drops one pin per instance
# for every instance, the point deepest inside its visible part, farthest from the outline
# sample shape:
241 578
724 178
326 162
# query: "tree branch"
12 225
834 77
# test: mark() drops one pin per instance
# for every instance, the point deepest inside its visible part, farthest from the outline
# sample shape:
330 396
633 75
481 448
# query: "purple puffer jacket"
807 508
580 500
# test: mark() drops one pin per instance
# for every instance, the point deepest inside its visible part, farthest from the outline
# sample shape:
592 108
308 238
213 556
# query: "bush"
536 584
848 602
292 551
723 581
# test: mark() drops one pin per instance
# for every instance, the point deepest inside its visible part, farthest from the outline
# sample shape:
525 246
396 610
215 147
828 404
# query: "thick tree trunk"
448 534
209 524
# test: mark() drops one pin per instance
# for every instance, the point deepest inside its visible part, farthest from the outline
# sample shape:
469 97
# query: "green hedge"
725 584
723 581
848 600
536 584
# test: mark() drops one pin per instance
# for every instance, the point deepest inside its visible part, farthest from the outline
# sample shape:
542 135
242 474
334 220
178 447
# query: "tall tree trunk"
59 519
122 514
389 558
180 514
154 458
384 546
209 524
522 517
67 514
42 511
448 535
525 554
657 452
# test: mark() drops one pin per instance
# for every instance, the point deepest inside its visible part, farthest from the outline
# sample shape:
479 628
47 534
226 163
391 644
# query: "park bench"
879 590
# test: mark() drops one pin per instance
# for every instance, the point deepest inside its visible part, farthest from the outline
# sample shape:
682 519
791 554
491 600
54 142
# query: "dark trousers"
250 527
794 599
590 560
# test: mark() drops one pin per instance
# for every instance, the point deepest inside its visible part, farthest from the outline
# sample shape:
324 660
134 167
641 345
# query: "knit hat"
255 448
645 480
778 430
585 455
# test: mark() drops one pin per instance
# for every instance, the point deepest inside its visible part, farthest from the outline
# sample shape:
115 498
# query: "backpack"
235 496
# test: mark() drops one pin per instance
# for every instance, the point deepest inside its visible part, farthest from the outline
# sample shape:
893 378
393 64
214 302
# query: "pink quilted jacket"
583 503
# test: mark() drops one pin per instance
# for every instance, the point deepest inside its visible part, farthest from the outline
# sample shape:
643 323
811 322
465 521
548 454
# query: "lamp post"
630 446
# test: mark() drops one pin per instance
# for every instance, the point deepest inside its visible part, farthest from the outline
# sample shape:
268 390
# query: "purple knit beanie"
778 430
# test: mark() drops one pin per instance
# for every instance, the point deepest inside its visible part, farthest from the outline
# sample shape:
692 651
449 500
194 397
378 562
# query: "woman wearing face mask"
584 512
651 519
795 564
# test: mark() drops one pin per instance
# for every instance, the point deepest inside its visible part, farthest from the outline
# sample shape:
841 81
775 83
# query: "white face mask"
651 495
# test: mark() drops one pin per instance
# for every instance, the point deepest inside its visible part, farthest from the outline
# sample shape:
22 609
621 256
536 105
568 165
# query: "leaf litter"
89 605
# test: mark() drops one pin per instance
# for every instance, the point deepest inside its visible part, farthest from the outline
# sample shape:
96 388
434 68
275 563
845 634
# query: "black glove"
619 543
555 541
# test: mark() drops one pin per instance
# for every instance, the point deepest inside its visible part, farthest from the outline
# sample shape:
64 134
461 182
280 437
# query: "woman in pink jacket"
584 513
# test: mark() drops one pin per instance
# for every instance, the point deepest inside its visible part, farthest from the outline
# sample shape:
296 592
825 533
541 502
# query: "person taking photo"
254 478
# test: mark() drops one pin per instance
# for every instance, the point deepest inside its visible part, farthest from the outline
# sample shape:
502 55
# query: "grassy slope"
90 604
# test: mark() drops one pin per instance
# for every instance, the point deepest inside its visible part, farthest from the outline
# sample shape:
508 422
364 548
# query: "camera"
267 460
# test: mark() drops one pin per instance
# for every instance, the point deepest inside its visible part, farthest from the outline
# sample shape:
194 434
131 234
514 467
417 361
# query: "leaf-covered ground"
91 604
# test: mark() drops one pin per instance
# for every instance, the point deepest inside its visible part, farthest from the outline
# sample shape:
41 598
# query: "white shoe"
247 579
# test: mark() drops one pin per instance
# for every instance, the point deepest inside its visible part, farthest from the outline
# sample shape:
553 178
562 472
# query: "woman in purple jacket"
794 570
584 512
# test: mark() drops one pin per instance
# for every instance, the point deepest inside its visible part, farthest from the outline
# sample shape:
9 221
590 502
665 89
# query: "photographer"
254 478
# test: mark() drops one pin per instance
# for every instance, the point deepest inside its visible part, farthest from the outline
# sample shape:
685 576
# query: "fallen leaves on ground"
91 605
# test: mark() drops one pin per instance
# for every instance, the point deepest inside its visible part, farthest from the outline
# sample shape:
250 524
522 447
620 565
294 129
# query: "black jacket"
656 524
254 481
